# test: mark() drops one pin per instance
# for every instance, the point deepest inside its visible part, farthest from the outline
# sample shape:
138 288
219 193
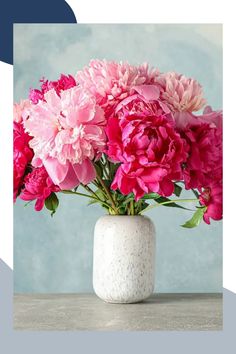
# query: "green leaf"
143 205
121 197
150 196
100 195
128 200
196 218
113 168
122 210
177 190
51 203
107 183
93 201
101 199
98 169
173 205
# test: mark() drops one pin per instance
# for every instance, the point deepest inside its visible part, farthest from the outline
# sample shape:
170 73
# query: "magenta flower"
180 93
68 132
22 155
38 185
110 82
203 136
212 198
140 179
64 83
142 137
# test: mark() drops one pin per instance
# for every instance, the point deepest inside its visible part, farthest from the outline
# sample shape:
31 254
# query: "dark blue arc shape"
26 11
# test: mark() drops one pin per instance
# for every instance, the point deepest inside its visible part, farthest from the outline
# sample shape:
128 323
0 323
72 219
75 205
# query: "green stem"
106 170
88 189
108 193
87 196
94 194
167 202
95 183
131 207
77 193
195 193
104 166
99 187
178 200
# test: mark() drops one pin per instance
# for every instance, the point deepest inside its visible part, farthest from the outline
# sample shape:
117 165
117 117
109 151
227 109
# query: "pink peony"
20 110
140 179
203 136
142 137
64 83
38 185
184 120
181 93
111 82
212 198
214 118
22 155
68 132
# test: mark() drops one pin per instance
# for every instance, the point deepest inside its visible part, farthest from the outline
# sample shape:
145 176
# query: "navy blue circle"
29 11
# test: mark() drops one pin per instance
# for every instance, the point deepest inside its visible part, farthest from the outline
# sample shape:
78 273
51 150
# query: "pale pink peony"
142 137
38 185
212 198
110 82
180 93
20 110
22 155
68 132
63 83
203 136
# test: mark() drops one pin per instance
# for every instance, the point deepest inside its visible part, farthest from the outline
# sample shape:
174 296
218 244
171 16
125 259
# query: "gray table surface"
87 312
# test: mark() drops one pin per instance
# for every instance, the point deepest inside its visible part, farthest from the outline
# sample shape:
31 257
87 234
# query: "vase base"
123 302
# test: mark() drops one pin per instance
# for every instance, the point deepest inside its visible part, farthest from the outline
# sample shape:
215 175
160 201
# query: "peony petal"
56 170
71 180
185 119
85 172
26 196
149 92
166 187
53 101
39 204
125 102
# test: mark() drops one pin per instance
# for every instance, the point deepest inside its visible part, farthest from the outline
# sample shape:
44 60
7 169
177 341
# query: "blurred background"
55 254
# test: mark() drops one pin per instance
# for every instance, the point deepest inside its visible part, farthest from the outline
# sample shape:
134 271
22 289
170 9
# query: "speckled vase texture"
124 258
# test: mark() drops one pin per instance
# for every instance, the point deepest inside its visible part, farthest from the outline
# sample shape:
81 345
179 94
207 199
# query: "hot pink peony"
142 137
22 155
181 93
38 185
64 83
203 136
68 132
110 82
212 198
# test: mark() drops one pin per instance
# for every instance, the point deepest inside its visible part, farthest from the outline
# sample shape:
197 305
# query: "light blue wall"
55 254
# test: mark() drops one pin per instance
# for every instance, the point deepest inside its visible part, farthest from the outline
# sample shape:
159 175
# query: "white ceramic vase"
124 258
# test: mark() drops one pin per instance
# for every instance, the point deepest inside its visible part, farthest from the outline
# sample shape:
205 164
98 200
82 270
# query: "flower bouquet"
126 137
